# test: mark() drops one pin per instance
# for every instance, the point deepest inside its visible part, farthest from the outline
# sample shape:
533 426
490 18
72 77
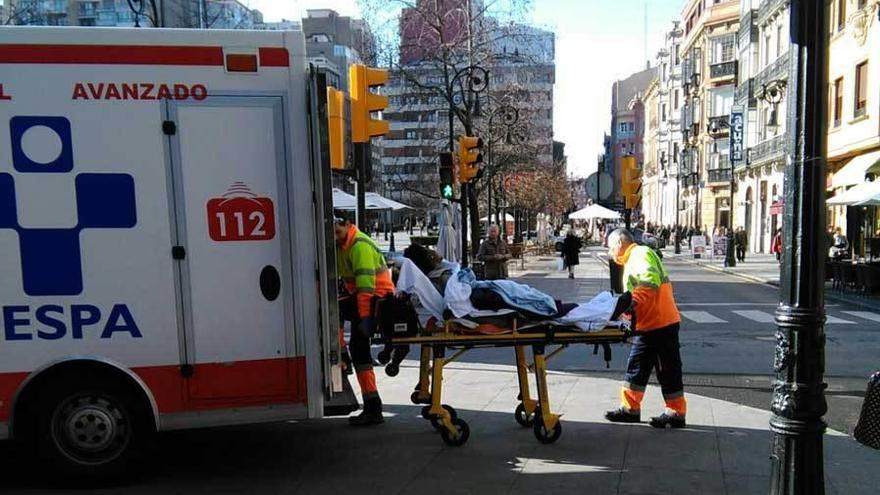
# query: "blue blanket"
516 295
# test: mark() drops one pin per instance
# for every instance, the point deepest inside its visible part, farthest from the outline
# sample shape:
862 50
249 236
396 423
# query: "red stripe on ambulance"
130 55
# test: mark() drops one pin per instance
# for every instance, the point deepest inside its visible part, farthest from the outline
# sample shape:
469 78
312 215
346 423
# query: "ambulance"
166 237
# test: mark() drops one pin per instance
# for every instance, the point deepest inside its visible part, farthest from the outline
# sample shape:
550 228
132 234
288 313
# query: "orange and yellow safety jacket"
648 281
363 269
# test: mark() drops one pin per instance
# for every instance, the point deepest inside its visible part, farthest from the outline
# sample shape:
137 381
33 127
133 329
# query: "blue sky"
597 41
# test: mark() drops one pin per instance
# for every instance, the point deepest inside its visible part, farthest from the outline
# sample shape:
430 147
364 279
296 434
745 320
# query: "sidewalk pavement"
764 269
724 450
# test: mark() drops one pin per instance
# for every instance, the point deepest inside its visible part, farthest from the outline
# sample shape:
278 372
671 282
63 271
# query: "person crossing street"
366 277
655 344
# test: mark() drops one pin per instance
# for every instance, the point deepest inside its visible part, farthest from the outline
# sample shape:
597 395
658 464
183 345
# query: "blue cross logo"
51 264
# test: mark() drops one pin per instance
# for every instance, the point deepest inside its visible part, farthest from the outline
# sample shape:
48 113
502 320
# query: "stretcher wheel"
525 420
459 437
392 369
416 398
435 421
384 356
544 435
426 412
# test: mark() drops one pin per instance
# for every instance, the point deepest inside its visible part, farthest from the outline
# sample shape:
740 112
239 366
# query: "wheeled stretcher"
399 332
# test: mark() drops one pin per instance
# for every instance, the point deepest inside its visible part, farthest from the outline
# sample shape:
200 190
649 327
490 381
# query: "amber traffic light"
364 102
336 127
469 157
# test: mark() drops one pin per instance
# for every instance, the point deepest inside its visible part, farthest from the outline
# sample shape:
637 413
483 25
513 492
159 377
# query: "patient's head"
425 259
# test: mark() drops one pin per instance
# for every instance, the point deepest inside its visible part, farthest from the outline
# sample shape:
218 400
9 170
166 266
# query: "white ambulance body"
165 262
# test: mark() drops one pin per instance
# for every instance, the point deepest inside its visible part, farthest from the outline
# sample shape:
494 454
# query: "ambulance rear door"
230 186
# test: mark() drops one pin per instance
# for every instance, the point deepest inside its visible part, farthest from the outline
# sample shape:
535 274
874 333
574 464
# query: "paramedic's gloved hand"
624 303
365 327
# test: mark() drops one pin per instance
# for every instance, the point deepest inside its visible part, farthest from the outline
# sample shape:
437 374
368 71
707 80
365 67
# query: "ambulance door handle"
178 252
270 282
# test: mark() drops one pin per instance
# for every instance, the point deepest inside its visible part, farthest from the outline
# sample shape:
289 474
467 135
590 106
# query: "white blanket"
412 281
592 315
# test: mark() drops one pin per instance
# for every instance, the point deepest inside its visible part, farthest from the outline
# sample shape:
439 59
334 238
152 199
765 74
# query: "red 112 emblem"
240 215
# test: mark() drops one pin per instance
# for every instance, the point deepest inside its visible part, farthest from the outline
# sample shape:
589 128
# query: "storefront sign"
737 128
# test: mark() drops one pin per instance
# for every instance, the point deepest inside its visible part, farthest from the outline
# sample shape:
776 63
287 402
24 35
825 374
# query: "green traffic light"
447 192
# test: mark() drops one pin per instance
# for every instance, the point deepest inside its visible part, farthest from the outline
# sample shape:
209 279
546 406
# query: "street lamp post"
729 257
796 463
477 80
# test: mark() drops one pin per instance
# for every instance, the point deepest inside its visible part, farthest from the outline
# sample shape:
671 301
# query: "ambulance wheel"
392 369
459 437
435 421
91 433
524 420
544 435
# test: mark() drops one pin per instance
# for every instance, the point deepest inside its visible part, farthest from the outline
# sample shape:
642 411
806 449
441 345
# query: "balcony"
722 70
744 94
719 175
719 126
748 28
768 151
777 70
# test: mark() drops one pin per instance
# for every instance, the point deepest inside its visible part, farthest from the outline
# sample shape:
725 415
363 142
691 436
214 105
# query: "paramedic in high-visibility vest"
362 268
655 340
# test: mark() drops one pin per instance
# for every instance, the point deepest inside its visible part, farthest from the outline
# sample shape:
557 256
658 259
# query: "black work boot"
621 415
667 420
371 415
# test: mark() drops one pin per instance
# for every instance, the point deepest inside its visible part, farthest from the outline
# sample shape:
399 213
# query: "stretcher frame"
531 412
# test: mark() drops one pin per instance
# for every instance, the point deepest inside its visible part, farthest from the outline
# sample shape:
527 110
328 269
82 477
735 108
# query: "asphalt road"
727 337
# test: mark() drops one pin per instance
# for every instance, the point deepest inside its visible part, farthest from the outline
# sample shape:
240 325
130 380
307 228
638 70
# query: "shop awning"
859 195
594 211
854 171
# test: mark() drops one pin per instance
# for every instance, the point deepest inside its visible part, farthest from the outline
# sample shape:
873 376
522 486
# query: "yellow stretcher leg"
455 431
422 394
547 426
526 409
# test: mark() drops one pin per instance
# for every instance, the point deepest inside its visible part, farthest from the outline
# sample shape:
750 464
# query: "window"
663 113
675 55
675 153
411 135
767 49
780 41
861 3
723 49
675 99
837 104
861 92
841 15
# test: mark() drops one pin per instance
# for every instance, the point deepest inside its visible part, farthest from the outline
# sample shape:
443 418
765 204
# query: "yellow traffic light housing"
469 158
336 127
363 102
630 181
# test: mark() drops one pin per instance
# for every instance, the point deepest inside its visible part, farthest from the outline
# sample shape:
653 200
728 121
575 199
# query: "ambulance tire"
91 434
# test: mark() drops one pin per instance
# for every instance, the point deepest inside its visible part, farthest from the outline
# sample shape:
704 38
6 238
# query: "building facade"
627 127
651 201
520 61
854 119
663 135
335 42
708 50
218 14
763 46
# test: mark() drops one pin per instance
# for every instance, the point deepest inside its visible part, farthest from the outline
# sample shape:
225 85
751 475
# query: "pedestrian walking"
840 247
776 244
655 342
494 254
571 249
741 238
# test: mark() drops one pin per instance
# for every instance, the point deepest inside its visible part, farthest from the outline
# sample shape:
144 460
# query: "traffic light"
469 158
447 176
630 181
363 126
336 127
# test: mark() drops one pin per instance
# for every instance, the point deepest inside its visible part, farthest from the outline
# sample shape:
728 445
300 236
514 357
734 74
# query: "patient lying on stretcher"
441 290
